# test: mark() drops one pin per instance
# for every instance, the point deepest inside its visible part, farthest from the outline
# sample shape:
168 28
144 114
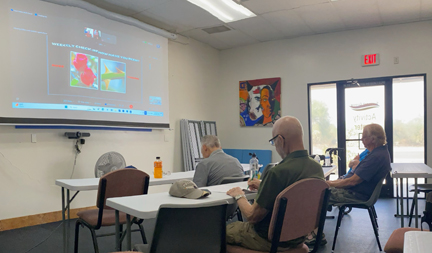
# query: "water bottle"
254 166
327 159
317 159
157 168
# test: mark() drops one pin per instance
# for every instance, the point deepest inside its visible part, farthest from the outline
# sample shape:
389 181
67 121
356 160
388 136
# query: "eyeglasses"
272 140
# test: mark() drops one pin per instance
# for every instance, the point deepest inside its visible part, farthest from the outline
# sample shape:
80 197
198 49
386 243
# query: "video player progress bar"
84 108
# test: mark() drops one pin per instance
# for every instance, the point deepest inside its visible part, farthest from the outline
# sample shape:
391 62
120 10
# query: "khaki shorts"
243 234
338 195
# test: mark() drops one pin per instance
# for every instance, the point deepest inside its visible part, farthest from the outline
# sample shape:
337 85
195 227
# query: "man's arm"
347 182
201 175
253 213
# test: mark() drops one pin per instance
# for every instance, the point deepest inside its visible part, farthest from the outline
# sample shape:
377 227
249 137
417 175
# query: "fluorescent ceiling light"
225 10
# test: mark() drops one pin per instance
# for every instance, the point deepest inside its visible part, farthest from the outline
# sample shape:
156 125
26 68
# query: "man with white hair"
359 184
216 164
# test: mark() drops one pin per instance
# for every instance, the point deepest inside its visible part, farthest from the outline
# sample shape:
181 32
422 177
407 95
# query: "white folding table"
417 242
408 170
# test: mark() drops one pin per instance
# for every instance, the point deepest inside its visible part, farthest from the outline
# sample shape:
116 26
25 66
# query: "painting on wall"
260 102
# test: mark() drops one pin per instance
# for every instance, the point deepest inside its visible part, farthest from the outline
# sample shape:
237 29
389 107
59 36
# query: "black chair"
189 229
118 183
369 205
232 209
229 180
424 188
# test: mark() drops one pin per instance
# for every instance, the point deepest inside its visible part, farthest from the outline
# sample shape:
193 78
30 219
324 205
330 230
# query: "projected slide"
69 66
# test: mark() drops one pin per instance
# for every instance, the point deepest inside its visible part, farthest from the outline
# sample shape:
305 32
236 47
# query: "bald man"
287 137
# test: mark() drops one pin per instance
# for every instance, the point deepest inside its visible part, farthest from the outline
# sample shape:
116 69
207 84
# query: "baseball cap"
185 188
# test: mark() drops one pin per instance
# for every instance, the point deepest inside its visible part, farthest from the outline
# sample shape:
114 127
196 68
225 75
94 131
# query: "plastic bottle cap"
157 157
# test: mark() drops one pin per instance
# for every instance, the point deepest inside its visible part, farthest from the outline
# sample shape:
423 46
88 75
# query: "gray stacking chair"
189 229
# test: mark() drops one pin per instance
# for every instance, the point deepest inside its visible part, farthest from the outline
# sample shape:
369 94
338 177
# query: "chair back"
190 229
228 180
375 194
266 169
427 213
121 183
305 202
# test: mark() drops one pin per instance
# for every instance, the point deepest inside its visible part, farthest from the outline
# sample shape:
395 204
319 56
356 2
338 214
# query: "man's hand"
353 163
235 192
254 184
253 213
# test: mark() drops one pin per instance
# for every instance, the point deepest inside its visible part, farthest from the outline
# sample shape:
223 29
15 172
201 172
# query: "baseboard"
37 219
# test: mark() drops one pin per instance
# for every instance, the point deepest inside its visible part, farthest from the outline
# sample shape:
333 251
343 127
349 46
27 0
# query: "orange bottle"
157 168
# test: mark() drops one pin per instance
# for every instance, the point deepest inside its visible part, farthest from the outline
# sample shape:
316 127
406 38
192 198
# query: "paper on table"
222 188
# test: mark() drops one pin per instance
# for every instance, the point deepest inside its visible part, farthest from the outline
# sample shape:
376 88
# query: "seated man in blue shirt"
359 184
216 164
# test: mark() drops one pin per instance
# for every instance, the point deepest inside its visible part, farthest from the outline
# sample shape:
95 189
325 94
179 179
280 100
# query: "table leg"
416 204
64 220
68 218
117 229
401 202
397 198
128 228
407 200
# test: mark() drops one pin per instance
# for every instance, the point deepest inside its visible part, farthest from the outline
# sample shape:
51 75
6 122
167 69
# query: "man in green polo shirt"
296 165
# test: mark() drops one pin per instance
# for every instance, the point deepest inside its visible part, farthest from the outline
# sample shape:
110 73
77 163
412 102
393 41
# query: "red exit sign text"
370 59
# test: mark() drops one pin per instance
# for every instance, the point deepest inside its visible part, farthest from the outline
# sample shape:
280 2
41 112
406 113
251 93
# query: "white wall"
319 58
28 170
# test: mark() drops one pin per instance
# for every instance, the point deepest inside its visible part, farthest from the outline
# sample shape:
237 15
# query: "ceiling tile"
153 20
206 38
289 23
137 5
265 6
426 9
358 14
299 3
399 11
257 28
260 6
321 18
111 7
234 38
183 13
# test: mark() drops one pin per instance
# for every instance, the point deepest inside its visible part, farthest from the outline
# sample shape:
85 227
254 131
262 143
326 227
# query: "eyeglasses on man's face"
272 140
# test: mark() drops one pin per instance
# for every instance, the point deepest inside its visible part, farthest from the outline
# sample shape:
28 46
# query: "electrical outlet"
396 60
33 138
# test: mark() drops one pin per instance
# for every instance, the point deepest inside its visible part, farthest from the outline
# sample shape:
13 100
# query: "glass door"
339 110
365 103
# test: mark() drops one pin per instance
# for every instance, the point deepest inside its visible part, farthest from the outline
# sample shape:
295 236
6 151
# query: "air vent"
216 29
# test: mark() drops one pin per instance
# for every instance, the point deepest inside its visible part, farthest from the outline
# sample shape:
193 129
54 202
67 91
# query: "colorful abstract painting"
260 102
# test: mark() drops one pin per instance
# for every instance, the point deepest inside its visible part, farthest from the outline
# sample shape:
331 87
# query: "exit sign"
370 60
